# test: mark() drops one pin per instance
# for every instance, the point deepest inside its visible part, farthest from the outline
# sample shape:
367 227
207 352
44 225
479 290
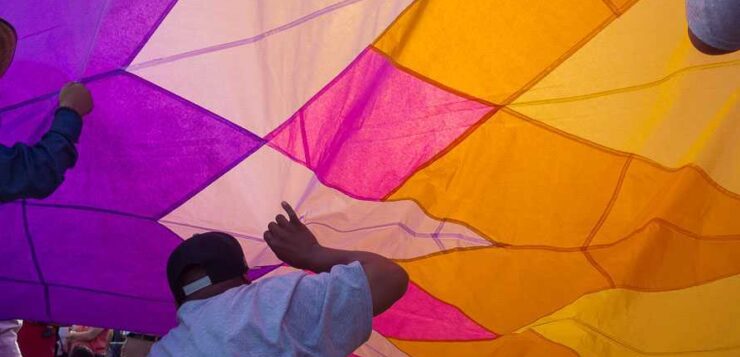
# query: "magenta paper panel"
420 316
145 151
373 126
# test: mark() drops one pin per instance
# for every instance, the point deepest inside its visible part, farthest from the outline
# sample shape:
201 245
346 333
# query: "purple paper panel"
61 41
93 308
22 293
27 123
123 31
14 245
420 316
21 299
145 151
93 261
373 126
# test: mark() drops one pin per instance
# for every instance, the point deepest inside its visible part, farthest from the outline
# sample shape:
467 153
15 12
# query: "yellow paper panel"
506 289
661 258
620 6
525 344
697 321
691 118
519 183
523 184
640 86
646 44
490 49
684 197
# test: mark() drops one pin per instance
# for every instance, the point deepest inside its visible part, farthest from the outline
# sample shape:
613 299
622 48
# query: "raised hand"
294 244
291 240
75 96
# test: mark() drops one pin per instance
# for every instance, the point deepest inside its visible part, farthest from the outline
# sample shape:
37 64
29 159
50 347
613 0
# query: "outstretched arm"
36 171
294 244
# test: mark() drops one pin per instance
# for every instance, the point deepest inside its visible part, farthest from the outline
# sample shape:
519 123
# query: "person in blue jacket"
35 171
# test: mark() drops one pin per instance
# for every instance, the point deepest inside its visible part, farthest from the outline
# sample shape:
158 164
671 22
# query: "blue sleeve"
36 171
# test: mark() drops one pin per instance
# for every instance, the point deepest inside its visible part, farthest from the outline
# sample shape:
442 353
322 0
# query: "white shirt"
327 314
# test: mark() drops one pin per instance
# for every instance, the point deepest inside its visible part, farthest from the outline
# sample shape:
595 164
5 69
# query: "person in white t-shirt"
298 314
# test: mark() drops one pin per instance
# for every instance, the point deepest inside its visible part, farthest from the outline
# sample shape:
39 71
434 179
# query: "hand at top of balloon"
76 97
291 240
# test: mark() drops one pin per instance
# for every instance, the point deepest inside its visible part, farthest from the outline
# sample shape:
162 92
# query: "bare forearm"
387 280
294 244
323 259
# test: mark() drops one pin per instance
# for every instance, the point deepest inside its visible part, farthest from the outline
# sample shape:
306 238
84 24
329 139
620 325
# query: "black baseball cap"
219 254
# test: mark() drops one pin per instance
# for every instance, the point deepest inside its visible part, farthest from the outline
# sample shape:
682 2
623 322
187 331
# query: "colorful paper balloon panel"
559 178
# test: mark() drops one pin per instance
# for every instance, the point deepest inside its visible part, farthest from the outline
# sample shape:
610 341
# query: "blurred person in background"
94 338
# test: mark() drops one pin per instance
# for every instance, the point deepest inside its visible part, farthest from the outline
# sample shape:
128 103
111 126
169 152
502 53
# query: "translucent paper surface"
558 178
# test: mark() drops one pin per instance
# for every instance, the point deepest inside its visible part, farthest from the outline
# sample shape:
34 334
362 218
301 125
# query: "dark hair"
9 26
8 40
81 351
